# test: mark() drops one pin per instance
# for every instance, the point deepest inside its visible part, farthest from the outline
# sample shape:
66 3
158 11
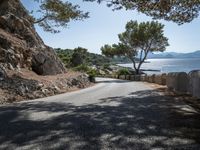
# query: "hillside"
91 58
195 54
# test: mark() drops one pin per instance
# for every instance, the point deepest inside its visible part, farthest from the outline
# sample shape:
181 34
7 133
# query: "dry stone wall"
178 82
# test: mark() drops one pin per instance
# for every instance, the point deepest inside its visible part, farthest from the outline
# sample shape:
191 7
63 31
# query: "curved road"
113 114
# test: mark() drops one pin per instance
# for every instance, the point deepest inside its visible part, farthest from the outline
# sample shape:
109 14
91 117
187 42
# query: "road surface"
113 114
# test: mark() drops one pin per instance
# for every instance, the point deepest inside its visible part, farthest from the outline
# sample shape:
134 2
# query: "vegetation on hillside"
78 56
79 59
90 59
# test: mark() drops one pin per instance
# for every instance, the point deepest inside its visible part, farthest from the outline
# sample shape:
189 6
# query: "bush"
92 74
82 68
123 71
106 66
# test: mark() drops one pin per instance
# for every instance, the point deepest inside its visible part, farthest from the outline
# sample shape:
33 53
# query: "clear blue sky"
104 25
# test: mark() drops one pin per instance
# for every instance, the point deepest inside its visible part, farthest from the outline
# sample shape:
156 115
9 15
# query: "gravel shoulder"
113 114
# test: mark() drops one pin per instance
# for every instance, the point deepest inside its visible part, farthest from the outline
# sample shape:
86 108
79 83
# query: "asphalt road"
113 114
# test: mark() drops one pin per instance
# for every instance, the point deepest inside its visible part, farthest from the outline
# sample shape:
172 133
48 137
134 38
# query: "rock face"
20 45
3 74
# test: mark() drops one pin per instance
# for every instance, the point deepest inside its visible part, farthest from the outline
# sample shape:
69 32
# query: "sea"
159 66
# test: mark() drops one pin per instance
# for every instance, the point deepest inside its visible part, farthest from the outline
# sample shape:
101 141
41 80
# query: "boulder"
46 63
194 83
20 45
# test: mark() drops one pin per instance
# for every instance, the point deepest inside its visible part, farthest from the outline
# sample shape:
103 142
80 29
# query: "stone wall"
178 82
194 83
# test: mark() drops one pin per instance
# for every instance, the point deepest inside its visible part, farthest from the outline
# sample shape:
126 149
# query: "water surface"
169 65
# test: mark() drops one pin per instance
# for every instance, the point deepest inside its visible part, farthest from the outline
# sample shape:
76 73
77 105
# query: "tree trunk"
139 66
135 67
141 62
137 71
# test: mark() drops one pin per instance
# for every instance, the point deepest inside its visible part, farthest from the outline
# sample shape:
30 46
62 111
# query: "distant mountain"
195 54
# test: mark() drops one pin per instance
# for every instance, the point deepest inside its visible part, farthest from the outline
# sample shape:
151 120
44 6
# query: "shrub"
92 74
106 66
123 71
82 68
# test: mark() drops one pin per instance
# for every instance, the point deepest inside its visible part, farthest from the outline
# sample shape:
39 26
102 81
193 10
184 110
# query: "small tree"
137 41
56 13
79 56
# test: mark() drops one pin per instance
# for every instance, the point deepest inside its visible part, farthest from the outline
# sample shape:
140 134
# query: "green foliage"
65 56
92 74
82 68
123 71
96 59
107 50
137 41
79 56
146 36
106 66
178 11
57 13
90 58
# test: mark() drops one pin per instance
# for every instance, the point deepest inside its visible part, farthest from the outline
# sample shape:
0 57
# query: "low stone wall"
160 79
194 83
178 82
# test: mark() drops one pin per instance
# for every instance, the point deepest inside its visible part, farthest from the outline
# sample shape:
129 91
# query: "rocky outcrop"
20 45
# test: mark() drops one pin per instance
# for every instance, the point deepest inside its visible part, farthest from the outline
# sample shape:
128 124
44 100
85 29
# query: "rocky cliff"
28 68
20 45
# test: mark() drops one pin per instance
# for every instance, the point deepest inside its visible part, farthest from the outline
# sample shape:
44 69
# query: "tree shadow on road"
142 120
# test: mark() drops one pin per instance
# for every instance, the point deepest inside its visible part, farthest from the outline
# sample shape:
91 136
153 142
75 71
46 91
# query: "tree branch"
40 20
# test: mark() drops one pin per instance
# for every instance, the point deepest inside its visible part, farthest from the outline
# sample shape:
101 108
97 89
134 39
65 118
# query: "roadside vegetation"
79 59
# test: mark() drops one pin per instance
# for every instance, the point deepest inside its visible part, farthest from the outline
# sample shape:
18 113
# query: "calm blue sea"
169 65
